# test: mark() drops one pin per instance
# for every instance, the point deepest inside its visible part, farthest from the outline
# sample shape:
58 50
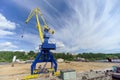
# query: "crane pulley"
37 12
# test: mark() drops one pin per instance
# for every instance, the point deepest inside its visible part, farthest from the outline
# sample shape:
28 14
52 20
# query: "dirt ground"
20 70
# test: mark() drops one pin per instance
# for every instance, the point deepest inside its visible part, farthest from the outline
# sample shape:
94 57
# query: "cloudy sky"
80 25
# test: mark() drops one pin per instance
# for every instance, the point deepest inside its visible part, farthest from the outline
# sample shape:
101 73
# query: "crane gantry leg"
44 56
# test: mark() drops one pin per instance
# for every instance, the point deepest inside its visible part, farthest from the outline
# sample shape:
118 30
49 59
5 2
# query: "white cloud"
5 32
20 50
85 30
59 44
6 29
7 46
92 25
6 26
32 38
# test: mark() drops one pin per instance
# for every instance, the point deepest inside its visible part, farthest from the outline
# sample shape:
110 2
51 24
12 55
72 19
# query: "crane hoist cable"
37 12
23 30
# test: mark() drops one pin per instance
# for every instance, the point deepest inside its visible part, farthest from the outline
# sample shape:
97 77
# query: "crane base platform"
44 56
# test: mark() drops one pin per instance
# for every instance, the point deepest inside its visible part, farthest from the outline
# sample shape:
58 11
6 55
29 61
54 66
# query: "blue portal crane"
44 55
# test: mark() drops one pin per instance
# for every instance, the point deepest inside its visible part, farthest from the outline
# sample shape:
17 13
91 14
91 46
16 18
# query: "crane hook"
22 36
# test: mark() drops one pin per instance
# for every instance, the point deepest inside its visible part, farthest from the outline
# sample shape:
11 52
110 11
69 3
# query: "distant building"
60 60
80 59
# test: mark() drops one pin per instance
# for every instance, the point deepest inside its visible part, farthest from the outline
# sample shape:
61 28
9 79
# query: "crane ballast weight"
44 55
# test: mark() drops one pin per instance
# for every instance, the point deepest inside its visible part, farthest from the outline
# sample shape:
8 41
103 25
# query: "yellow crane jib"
36 12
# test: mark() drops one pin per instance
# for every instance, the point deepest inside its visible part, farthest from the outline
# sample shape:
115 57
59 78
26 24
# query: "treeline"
6 56
99 56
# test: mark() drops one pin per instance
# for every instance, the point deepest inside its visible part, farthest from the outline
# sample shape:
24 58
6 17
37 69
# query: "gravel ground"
20 70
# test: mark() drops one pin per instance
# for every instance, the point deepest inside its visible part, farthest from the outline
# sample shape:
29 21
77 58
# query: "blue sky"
80 25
